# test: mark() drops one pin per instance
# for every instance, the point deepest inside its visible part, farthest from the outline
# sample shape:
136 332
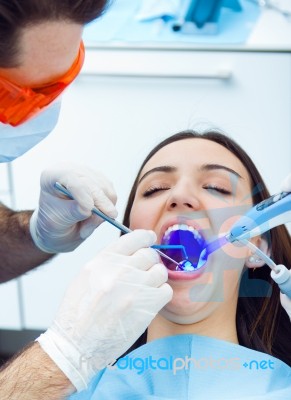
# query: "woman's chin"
181 310
187 317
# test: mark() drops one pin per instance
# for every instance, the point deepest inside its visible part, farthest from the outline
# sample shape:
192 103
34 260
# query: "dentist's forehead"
47 51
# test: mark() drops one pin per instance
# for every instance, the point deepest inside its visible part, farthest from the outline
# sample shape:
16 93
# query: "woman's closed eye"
219 189
154 189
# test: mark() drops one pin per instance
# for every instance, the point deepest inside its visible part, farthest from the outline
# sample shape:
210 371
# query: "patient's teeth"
183 227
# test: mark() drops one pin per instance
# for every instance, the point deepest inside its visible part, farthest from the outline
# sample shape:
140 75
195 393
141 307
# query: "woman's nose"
183 199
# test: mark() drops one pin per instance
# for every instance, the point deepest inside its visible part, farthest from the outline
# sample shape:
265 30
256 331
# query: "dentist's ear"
253 260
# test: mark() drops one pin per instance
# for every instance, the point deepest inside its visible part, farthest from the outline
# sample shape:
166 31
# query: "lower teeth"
185 266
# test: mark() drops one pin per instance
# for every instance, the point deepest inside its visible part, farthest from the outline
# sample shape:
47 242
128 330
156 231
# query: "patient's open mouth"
187 236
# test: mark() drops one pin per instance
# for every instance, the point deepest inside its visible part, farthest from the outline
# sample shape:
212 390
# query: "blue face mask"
15 141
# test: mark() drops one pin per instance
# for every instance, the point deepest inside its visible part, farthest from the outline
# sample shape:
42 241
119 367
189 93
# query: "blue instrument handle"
274 211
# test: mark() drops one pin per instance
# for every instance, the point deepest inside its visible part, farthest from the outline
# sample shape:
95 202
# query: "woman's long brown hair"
262 324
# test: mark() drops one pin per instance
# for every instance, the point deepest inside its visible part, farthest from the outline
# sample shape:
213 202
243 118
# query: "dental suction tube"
283 279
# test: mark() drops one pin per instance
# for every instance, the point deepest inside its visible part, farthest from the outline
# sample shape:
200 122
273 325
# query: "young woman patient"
224 334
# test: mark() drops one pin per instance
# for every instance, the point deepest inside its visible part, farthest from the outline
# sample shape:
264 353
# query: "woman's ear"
253 260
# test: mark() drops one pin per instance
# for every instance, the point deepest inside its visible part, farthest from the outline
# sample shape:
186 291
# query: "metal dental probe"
112 221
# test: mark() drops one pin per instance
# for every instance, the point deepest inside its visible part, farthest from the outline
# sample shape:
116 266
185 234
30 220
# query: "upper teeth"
183 227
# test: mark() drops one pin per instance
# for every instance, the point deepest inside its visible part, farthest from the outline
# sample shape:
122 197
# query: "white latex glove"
60 224
286 185
108 306
286 304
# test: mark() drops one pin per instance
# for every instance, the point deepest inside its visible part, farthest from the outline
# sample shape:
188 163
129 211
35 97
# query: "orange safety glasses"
18 104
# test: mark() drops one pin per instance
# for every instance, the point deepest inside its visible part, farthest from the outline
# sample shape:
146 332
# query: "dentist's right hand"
109 305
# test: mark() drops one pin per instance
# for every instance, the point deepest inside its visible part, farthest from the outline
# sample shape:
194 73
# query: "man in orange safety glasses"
41 53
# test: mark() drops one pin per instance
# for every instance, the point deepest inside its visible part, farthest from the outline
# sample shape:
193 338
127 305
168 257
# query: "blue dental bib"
192 367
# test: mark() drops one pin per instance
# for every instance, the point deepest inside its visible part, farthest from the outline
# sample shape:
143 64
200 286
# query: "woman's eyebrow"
205 167
211 167
162 168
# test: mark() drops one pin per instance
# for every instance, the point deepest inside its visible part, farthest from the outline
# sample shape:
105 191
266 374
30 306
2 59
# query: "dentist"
41 53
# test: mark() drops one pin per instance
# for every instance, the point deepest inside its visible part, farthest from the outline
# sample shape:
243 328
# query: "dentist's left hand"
60 224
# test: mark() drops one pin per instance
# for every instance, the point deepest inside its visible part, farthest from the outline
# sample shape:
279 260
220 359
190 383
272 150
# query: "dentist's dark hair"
17 14
262 323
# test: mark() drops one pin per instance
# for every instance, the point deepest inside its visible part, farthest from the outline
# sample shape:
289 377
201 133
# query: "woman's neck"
220 325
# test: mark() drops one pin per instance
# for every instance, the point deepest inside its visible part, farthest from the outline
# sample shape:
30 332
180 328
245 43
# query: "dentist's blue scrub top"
192 367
